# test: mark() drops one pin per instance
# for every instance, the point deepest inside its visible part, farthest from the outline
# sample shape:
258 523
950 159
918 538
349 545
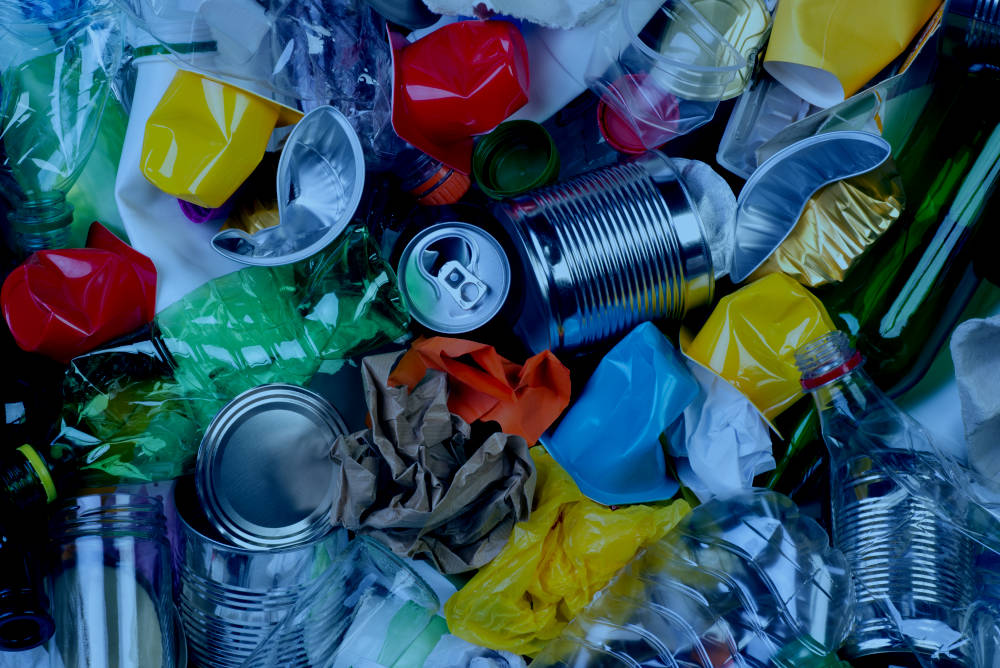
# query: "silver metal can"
454 277
264 475
605 251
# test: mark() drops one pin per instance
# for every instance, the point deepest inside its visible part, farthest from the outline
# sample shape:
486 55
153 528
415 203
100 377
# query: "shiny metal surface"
321 175
606 251
454 277
264 475
776 193
231 598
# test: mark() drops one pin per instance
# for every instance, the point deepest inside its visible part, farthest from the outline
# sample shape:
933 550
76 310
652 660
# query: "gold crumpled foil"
839 222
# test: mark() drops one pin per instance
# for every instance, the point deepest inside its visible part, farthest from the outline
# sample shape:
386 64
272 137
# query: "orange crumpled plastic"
482 385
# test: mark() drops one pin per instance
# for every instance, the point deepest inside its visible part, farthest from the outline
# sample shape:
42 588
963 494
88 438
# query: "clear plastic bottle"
53 91
912 570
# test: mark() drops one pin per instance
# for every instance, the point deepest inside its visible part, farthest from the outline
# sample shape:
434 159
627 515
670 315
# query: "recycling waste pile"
451 334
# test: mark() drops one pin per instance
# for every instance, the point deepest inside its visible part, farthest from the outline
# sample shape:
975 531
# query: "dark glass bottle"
24 608
902 299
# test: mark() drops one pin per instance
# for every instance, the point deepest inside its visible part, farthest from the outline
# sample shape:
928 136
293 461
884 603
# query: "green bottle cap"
516 157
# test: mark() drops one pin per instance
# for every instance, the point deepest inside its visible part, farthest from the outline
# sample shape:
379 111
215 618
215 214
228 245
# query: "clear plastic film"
138 409
742 581
56 69
303 53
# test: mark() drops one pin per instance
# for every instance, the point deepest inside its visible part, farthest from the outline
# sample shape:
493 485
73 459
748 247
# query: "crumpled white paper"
551 13
721 442
975 345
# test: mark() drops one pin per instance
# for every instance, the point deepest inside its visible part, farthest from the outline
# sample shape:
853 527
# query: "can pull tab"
463 286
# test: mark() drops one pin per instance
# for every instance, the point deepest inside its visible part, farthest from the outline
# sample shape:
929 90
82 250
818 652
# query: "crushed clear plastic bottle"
912 569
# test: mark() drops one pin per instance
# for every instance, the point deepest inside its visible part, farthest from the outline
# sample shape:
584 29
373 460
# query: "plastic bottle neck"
25 481
832 371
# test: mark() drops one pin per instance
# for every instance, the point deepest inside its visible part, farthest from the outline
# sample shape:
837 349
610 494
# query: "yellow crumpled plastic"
751 337
553 564
822 48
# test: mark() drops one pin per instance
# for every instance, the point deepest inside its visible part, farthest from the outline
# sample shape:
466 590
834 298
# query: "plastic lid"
516 157
264 475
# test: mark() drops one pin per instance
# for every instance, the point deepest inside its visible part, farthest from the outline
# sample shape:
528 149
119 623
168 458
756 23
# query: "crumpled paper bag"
553 565
826 51
524 400
722 442
974 348
418 482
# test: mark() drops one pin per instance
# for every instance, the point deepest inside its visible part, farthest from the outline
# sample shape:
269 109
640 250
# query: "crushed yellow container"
751 337
205 137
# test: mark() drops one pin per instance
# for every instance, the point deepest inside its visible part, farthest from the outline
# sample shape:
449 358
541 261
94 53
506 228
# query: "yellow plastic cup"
205 137
751 337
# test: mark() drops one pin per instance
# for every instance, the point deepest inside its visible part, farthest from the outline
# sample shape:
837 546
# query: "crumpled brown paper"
418 483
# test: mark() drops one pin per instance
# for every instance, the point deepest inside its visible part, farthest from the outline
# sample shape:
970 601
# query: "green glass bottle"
902 299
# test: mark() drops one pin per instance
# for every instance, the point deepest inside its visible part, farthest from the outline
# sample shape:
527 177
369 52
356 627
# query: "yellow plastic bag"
553 564
751 337
825 51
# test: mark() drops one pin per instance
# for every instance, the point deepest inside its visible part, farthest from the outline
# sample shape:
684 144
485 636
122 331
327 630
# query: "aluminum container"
231 599
774 196
321 175
454 277
264 474
607 250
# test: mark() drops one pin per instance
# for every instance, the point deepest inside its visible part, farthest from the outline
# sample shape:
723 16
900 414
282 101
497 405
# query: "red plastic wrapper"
461 80
482 385
62 303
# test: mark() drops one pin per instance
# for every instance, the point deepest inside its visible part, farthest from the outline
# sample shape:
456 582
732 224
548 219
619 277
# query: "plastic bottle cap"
516 157
446 186
41 470
623 134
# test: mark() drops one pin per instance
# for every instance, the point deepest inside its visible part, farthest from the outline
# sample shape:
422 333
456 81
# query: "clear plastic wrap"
313 52
138 409
56 69
745 581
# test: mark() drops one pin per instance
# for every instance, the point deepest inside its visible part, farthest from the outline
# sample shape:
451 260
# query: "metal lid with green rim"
454 277
264 473
517 156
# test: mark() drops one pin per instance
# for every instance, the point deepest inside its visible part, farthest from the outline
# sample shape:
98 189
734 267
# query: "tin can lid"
264 475
454 277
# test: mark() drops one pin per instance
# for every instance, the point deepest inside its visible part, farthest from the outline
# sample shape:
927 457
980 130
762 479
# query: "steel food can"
454 277
607 250
264 474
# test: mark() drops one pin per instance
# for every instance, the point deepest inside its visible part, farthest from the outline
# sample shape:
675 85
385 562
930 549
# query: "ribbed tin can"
605 251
